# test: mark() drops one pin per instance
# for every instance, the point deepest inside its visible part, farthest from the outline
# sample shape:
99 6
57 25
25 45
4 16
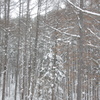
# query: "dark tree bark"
79 90
18 46
7 11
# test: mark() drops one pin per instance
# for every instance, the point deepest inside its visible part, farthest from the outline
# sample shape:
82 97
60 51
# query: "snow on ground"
10 96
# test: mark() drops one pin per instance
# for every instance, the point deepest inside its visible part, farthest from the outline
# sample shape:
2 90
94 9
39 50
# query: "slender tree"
81 32
17 67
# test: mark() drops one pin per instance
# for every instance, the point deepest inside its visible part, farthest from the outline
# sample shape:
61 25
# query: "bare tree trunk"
80 52
55 53
28 32
0 40
18 45
35 48
7 10
67 74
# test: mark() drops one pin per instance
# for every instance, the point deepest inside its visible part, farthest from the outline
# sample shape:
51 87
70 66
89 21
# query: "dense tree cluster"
50 50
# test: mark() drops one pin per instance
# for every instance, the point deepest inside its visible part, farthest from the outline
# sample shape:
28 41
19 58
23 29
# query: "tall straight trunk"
0 45
37 32
53 68
16 74
35 48
67 73
7 75
7 11
5 53
27 67
80 51
55 53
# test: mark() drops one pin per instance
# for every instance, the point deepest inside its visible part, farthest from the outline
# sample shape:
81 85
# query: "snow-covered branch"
84 11
96 61
62 32
93 33
91 45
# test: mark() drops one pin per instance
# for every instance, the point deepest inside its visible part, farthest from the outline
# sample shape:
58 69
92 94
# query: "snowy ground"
11 89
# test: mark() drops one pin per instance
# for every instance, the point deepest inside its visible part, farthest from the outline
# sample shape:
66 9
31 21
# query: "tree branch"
84 11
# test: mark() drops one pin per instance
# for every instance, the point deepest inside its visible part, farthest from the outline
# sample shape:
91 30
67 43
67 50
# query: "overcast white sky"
33 6
15 9
14 12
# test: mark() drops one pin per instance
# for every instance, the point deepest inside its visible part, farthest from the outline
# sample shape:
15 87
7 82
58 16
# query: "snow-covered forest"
49 49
